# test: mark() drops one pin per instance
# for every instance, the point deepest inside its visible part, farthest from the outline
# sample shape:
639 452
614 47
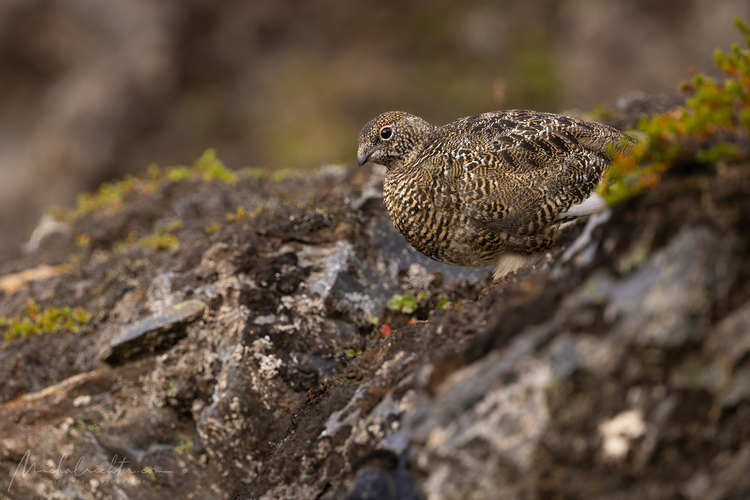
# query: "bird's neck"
411 159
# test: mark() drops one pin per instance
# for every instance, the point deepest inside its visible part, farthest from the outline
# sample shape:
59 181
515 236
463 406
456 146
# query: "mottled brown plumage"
490 189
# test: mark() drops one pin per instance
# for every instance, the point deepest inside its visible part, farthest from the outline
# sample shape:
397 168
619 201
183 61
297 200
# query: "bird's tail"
508 262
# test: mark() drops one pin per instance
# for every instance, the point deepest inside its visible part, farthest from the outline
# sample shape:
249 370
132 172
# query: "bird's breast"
426 209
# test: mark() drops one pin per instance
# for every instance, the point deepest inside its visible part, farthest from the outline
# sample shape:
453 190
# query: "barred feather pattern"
481 186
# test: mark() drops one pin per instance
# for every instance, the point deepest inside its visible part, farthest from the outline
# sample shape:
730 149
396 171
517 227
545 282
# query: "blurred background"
91 89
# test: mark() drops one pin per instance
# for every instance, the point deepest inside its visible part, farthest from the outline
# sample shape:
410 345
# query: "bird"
491 189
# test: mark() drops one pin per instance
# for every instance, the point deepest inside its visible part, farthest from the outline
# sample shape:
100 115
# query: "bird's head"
390 138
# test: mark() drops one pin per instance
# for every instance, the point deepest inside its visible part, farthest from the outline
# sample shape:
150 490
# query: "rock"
385 479
158 331
346 285
478 436
623 374
662 302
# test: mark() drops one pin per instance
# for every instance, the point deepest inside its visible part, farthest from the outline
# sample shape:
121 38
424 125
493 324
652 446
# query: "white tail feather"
590 205
509 262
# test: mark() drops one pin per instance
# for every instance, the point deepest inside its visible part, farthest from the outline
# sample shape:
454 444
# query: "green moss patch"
38 321
110 197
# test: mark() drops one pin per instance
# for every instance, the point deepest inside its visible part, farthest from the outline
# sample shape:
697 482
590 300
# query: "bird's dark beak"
362 158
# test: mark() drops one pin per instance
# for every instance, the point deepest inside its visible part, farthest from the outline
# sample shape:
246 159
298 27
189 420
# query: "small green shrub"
706 129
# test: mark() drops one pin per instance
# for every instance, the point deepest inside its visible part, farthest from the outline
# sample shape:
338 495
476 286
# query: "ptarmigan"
491 189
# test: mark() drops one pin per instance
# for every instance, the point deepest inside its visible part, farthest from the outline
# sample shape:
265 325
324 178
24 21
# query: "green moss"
174 388
283 174
184 447
177 174
211 168
95 427
38 321
237 215
173 225
150 472
705 130
160 240
242 214
253 173
122 245
110 198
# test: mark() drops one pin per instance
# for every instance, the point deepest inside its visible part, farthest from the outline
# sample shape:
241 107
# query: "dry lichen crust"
470 190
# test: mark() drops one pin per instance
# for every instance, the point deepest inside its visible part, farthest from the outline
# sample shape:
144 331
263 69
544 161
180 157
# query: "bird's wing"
519 171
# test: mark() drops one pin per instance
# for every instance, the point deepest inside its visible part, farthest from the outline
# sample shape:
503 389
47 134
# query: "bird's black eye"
386 132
